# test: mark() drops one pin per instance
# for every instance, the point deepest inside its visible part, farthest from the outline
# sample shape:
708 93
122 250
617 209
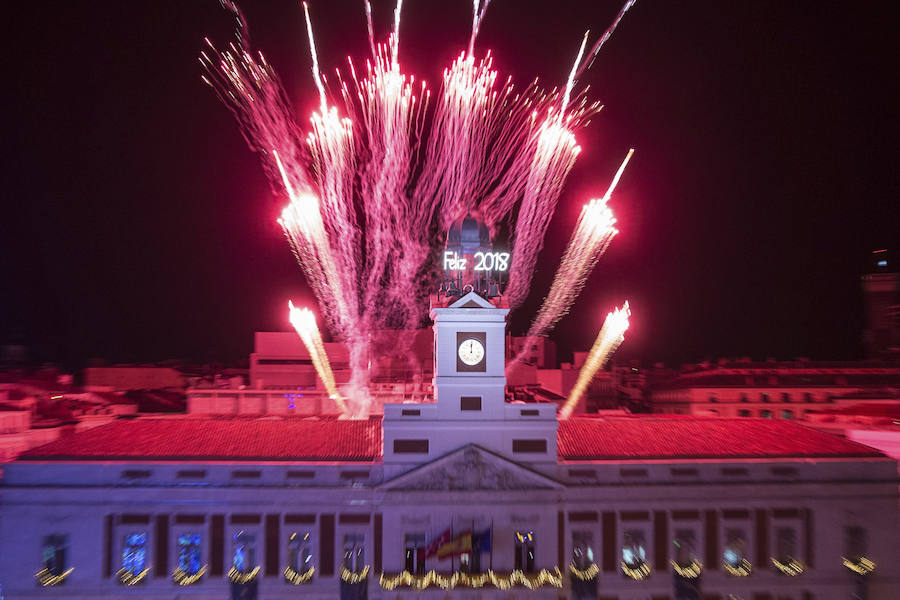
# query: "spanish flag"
458 545
437 543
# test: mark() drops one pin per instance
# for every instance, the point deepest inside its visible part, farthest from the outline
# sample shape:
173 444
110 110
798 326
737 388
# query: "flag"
436 543
458 545
481 541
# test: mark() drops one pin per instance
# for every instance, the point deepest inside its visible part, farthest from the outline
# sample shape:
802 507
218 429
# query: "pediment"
471 468
471 300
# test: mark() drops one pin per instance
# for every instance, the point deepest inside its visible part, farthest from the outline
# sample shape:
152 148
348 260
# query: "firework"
304 322
382 168
611 335
592 236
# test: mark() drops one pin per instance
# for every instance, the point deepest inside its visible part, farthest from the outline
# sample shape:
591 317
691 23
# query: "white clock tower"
469 359
469 394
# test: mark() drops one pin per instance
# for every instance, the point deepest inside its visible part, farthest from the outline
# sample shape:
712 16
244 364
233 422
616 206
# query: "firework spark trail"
570 82
477 16
554 158
303 225
317 76
611 335
304 323
592 236
371 29
595 49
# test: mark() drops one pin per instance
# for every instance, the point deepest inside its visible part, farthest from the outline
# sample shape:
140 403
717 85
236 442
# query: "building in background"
773 389
881 291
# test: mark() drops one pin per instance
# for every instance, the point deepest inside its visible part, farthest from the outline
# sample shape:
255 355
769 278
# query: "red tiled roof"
698 437
220 439
327 439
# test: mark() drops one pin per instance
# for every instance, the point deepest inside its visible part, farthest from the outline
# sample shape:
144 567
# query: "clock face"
471 351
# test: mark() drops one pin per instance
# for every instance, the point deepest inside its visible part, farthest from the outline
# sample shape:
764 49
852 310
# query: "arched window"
524 551
582 549
134 554
300 552
54 554
354 552
189 553
244 552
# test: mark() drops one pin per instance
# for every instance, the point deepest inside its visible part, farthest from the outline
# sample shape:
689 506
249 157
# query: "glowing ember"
378 173
611 335
304 322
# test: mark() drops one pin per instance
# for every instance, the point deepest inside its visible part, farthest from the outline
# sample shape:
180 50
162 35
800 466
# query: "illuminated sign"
484 261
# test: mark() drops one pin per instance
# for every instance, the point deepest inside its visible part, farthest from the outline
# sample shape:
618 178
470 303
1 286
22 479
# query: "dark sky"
137 225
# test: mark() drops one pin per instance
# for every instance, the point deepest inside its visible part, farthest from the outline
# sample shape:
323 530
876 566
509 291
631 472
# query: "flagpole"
491 559
452 559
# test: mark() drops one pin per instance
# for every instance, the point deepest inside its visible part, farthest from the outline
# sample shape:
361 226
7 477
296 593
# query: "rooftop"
331 439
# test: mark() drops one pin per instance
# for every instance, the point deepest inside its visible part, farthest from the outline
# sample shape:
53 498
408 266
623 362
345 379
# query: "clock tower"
469 385
469 405
469 358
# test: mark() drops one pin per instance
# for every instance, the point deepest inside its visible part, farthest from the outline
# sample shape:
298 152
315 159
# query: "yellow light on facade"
238 577
642 571
585 574
791 566
743 569
127 577
350 577
297 578
691 571
459 579
863 566
182 578
48 579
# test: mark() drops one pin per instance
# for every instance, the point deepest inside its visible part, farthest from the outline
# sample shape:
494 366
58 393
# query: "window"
300 552
470 403
243 556
410 446
134 554
53 554
354 552
765 414
530 446
785 544
855 543
743 412
808 397
744 398
765 397
713 399
787 414
582 549
735 553
525 551
684 547
414 559
634 552
189 553
785 397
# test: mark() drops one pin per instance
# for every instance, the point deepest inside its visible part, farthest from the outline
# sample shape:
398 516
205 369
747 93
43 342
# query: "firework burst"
383 168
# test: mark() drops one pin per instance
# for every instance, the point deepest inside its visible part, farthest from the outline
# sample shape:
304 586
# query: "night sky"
137 225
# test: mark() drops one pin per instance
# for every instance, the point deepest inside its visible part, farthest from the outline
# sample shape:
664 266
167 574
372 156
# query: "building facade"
466 496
